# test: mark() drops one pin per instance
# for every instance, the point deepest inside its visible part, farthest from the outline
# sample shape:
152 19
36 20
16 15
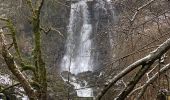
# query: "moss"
40 70
13 33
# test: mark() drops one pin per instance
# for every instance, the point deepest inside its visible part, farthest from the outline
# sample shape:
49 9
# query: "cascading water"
77 58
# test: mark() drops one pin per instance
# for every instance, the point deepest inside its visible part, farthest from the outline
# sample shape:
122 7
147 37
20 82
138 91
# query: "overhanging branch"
163 48
134 81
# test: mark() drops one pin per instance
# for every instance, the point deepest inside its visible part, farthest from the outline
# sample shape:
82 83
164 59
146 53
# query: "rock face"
102 17
56 16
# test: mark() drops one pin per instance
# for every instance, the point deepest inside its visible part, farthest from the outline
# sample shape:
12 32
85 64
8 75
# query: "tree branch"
46 31
155 76
134 81
163 48
13 33
139 9
39 4
15 70
29 3
2 91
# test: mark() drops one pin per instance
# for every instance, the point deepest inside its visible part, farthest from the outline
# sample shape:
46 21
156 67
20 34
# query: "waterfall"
77 58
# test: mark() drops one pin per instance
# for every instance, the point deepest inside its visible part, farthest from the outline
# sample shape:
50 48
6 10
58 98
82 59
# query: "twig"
51 29
147 74
2 91
139 9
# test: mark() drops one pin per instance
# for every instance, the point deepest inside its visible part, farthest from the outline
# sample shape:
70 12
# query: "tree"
145 64
36 87
142 28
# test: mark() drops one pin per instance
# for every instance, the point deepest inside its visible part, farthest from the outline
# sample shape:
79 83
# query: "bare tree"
36 87
136 36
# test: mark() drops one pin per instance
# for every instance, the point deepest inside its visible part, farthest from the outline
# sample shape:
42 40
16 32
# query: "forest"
84 49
